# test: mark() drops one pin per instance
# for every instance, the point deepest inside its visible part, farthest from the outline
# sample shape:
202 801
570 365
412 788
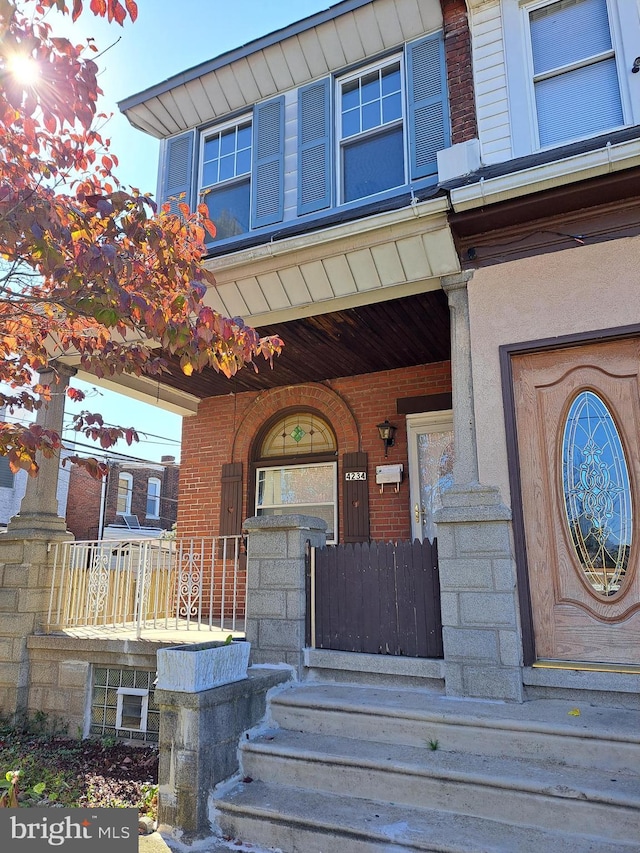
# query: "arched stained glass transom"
300 434
597 493
306 485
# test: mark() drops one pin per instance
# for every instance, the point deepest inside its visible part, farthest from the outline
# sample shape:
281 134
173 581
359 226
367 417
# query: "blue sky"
168 37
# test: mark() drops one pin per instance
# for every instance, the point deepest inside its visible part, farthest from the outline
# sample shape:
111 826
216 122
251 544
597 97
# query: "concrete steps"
352 769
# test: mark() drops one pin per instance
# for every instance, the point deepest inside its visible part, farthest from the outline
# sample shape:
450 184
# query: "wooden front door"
578 430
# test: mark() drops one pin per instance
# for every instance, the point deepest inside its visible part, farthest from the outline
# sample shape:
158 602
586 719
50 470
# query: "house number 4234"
355 475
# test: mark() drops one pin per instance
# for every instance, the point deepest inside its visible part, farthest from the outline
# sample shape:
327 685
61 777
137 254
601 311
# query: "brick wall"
225 427
141 475
83 504
457 45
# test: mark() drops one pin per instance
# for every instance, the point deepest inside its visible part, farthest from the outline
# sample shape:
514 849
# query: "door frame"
418 423
506 353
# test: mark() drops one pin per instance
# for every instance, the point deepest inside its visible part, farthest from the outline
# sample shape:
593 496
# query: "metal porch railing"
149 584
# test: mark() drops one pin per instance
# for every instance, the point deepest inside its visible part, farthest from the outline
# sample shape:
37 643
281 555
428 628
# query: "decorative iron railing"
149 584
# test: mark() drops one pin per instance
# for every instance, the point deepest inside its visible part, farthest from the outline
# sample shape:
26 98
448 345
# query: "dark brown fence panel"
378 598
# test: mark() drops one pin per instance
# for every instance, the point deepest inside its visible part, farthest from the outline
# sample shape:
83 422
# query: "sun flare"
24 68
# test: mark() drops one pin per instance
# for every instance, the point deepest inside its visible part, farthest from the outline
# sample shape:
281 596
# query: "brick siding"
457 45
83 503
225 428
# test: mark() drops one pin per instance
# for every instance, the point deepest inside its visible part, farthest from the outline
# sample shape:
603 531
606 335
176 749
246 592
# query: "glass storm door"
578 424
430 438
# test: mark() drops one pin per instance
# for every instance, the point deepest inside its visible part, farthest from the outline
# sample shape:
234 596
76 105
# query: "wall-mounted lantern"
387 434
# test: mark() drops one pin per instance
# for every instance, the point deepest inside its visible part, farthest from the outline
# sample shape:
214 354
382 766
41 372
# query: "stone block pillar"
38 516
26 558
480 616
25 583
276 597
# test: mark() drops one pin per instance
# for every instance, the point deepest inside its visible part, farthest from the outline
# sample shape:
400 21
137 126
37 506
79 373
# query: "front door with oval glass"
578 426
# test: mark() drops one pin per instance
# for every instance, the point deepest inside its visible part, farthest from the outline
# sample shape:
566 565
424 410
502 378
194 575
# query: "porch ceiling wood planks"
292 56
367 339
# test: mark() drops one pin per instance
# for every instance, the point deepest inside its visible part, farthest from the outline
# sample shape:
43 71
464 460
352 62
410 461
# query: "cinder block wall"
209 440
60 672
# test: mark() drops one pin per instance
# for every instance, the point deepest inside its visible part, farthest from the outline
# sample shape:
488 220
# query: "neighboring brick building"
146 490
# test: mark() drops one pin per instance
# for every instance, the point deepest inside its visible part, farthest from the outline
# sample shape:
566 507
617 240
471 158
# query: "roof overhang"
343 35
340 273
583 166
373 259
583 198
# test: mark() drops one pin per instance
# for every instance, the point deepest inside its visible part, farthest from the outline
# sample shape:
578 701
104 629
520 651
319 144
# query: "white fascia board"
581 167
147 390
325 236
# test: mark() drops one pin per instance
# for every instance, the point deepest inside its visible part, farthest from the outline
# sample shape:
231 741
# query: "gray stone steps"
548 794
295 820
348 768
542 729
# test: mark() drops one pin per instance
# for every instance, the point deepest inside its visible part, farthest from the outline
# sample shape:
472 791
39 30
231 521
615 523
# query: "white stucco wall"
577 290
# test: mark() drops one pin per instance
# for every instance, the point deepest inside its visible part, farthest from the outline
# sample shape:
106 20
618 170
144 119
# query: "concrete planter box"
196 667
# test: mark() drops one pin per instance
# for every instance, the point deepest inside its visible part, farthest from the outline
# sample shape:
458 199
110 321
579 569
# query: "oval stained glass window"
597 493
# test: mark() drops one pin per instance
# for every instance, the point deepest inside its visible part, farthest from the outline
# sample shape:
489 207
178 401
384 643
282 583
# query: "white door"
430 438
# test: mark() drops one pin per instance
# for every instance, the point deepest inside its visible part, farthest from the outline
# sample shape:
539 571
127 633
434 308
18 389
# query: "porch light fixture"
387 434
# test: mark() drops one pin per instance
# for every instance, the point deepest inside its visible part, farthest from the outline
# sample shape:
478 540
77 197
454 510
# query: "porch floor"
179 634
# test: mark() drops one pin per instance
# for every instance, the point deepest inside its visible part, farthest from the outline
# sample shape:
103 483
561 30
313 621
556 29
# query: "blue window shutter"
429 127
267 187
177 171
314 146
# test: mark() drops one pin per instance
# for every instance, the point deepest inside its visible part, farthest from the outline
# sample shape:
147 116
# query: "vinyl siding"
490 78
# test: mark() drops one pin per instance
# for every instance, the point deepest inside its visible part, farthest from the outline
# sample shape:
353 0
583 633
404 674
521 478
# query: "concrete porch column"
38 516
276 595
480 617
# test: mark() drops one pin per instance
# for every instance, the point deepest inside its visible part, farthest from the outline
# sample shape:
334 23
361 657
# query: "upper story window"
226 178
372 145
125 491
153 497
575 75
347 138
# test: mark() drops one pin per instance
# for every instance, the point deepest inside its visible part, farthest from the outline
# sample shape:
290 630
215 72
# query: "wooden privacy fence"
377 598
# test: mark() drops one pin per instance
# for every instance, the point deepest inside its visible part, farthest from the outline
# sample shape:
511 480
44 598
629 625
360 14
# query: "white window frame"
333 503
144 709
625 29
155 497
205 135
123 475
340 81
